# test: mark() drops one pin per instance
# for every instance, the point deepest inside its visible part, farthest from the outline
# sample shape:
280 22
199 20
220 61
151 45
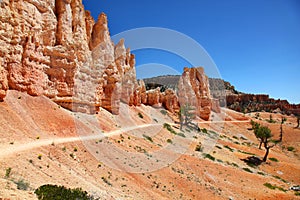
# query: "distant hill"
235 100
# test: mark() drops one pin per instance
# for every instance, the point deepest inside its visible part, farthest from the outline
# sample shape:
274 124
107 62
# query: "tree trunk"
281 132
260 145
181 125
266 155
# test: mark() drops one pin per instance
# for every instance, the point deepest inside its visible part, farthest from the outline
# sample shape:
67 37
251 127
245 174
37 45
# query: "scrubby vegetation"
140 115
22 185
274 159
54 192
147 137
273 187
7 172
263 134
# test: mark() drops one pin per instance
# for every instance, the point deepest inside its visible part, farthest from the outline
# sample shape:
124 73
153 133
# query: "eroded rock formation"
193 89
260 102
55 48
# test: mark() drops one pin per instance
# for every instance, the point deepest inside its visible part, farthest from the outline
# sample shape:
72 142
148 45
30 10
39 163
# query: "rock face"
193 89
260 102
55 48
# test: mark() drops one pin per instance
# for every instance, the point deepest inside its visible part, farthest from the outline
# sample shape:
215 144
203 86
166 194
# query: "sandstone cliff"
260 102
56 49
193 89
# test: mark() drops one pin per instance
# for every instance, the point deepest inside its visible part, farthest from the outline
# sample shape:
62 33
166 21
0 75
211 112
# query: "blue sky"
254 44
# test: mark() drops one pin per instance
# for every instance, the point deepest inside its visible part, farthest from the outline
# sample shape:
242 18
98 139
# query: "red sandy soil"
43 143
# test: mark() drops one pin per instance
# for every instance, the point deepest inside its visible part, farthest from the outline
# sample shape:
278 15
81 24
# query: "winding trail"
12 149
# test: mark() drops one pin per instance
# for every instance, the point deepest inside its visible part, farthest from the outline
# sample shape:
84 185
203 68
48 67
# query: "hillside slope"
40 147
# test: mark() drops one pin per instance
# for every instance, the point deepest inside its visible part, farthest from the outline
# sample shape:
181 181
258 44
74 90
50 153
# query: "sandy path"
12 149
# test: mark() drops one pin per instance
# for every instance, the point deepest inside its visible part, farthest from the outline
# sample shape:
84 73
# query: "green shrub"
274 159
290 148
198 148
164 112
297 193
169 128
234 164
261 173
204 130
227 147
147 137
54 192
247 170
271 120
181 135
7 172
169 141
210 157
40 157
270 186
106 181
273 187
21 184
140 115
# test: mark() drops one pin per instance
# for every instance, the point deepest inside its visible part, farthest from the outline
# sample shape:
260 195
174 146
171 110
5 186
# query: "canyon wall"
260 102
55 48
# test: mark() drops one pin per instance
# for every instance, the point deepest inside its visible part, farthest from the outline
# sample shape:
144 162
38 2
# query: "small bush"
7 172
21 184
40 157
227 147
148 138
234 164
106 181
54 192
75 149
290 148
204 130
247 170
198 148
274 159
210 157
261 173
273 187
169 128
270 186
297 193
181 135
140 115
169 141
271 120
164 112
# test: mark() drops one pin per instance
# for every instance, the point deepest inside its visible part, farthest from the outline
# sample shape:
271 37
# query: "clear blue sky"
255 43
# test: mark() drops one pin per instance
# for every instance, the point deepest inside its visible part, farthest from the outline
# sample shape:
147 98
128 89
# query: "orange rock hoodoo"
55 48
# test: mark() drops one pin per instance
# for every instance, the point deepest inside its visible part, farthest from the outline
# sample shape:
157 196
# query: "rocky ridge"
56 49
